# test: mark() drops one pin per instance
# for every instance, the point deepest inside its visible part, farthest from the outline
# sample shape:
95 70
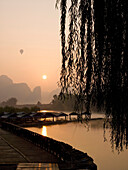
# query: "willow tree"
95 53
95 58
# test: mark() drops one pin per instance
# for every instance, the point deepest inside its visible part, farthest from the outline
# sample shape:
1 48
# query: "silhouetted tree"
10 102
35 108
67 104
95 57
77 53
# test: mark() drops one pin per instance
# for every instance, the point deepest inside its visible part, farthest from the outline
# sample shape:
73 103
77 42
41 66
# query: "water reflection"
89 141
38 166
44 131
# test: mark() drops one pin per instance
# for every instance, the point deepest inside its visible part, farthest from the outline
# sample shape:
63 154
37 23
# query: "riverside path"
17 153
21 149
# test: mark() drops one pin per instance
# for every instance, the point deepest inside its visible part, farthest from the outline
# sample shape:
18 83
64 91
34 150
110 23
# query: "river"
89 138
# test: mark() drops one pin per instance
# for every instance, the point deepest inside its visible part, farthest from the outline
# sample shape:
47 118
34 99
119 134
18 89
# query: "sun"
44 77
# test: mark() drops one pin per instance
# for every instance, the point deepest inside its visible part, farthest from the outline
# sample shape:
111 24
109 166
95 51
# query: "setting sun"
44 77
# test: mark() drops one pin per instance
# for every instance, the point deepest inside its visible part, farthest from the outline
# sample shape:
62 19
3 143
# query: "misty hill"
21 91
47 97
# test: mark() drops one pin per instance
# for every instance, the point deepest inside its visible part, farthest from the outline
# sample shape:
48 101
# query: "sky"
31 25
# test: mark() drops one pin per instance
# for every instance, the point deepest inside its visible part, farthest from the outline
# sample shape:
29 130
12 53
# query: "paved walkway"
16 151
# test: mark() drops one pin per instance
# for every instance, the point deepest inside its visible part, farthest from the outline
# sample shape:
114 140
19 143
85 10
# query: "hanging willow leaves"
95 58
95 53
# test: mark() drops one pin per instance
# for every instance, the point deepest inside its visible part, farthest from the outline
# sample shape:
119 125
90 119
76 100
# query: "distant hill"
47 97
20 91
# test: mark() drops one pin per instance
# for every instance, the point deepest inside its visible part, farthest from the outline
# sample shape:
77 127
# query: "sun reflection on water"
44 131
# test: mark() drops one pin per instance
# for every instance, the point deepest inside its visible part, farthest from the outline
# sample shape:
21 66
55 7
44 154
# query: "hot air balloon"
21 51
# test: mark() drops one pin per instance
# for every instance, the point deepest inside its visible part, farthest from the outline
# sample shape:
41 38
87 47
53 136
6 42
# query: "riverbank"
91 138
48 123
65 155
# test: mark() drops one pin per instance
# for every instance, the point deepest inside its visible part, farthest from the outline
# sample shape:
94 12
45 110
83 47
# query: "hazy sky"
32 25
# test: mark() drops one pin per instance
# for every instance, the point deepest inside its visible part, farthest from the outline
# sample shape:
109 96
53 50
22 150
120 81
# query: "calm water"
88 138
